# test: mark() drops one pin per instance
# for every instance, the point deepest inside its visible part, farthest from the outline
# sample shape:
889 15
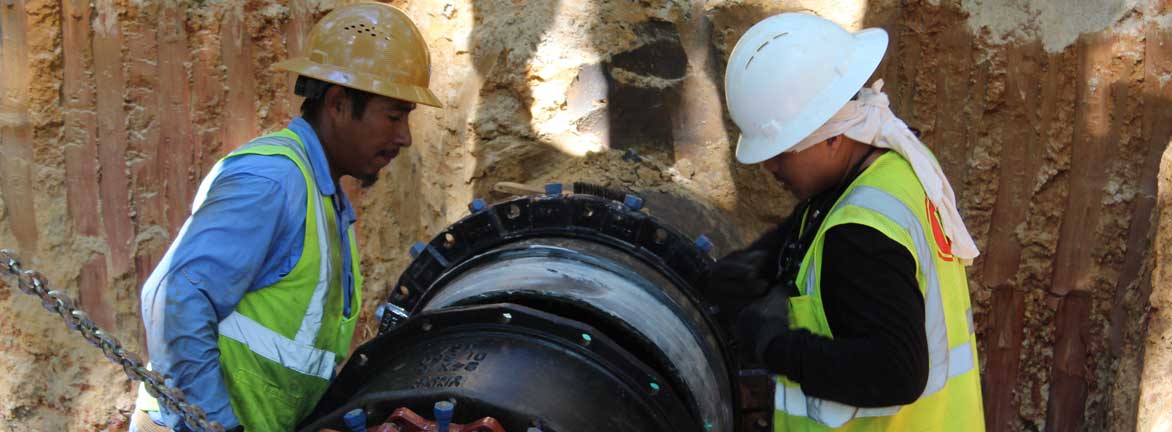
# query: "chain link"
33 283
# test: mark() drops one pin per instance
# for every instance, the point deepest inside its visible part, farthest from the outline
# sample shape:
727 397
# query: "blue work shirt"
247 235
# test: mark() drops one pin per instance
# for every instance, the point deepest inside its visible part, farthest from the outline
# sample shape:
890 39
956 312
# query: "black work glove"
761 322
740 275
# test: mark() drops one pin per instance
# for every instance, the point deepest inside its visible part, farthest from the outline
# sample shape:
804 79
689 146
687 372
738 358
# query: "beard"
366 182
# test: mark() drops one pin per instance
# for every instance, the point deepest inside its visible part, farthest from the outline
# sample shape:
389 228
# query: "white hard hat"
789 74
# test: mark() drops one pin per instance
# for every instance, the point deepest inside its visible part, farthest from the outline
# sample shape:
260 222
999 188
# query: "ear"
836 146
337 104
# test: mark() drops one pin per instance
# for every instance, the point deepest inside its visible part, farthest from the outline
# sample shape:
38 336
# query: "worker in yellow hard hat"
859 302
255 303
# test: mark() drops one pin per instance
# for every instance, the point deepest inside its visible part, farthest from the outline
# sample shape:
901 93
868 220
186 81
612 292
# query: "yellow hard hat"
371 47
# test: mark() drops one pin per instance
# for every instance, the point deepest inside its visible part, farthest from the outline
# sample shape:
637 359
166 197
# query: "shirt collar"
321 168
349 216
317 156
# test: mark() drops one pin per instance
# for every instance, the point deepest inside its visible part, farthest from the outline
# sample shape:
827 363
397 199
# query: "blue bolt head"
553 189
633 202
443 410
355 419
477 205
417 249
704 244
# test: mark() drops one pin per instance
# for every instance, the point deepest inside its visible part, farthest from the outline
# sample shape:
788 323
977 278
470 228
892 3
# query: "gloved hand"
740 275
761 322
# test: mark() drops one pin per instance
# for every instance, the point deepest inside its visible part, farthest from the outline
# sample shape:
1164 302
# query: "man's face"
371 141
810 171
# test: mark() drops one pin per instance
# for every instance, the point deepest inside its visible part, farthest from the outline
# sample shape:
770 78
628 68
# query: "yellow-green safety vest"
279 348
888 197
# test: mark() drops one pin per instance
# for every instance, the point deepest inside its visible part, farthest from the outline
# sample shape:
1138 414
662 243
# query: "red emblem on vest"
943 243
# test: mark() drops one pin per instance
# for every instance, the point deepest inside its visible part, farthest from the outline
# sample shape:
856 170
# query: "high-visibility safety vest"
888 197
279 348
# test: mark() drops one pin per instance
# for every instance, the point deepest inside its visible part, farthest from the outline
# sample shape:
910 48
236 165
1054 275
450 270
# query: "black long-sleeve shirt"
879 353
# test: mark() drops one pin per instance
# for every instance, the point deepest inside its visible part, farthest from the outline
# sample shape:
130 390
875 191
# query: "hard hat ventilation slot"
362 28
771 40
763 47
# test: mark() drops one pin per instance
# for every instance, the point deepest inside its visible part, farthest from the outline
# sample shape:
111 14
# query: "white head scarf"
869 120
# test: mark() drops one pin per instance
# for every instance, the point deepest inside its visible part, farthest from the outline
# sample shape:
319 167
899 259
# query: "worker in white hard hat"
255 303
858 302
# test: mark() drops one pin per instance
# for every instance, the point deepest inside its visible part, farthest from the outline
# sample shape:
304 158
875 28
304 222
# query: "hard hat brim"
870 46
335 75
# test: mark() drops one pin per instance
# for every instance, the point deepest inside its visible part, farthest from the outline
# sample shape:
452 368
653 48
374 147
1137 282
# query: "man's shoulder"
259 184
278 169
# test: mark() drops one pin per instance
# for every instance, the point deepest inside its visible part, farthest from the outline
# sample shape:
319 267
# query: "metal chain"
33 283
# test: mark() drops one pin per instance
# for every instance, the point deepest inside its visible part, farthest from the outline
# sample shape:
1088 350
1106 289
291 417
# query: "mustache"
389 154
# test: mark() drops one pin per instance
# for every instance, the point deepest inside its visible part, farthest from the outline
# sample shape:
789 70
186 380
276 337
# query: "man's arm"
220 251
879 354
772 241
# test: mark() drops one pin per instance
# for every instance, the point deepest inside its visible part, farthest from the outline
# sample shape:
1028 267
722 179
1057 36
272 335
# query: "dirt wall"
1051 123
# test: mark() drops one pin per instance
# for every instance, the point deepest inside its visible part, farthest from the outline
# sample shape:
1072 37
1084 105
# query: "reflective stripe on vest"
944 363
296 354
